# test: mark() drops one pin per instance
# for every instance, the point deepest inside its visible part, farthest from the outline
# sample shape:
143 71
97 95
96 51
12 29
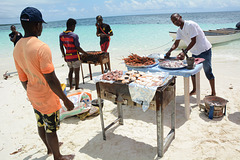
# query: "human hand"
181 56
83 55
167 55
68 104
102 35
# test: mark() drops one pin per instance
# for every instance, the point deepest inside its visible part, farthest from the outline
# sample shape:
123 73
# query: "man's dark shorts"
51 121
207 64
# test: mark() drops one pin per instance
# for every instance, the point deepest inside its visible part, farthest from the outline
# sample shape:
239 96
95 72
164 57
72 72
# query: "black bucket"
95 102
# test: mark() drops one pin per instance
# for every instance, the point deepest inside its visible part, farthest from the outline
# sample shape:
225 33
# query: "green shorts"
51 121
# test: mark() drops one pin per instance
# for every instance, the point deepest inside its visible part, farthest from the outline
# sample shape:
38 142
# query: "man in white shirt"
197 43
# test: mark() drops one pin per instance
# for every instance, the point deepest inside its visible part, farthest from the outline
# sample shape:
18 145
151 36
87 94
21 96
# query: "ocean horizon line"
126 15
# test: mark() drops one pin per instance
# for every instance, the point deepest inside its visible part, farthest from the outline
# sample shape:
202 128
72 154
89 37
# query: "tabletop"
175 72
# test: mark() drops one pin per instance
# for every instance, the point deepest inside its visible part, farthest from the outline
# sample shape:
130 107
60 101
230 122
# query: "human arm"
106 33
55 86
81 50
24 84
191 44
13 39
63 52
174 46
184 51
77 45
97 33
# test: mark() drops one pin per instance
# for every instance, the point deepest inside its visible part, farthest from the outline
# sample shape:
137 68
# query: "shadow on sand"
235 117
117 146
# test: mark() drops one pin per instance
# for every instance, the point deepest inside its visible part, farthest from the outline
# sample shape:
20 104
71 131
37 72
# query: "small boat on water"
215 36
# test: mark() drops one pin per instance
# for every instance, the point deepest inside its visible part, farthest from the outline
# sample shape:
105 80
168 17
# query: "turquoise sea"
141 34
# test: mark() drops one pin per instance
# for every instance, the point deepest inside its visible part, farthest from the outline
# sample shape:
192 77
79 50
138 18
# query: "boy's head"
99 19
71 23
13 28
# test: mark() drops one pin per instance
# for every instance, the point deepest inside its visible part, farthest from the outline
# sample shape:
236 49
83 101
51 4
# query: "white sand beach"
198 138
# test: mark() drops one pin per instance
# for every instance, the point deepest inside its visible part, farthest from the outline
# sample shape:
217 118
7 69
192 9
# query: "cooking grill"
96 58
119 93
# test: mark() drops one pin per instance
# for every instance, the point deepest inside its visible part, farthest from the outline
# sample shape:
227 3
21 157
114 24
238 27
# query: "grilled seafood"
136 60
94 52
112 76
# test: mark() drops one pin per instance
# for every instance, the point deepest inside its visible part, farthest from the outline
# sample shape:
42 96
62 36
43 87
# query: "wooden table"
99 59
119 93
186 73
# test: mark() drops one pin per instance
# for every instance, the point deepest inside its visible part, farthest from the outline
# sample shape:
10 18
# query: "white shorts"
74 64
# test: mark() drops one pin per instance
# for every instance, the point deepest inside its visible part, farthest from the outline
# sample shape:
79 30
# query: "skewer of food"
138 61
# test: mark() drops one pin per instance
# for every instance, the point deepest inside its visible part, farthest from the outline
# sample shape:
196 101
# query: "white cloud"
72 9
54 11
82 10
108 1
166 6
11 9
96 8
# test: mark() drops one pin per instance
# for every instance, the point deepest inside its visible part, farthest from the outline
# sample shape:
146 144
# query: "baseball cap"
31 14
99 17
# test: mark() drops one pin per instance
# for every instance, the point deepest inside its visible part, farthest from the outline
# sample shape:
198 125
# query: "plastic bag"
82 104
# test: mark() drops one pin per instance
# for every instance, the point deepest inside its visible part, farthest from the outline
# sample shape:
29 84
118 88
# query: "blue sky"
54 10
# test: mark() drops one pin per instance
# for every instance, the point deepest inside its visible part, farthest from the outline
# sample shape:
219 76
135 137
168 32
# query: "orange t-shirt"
33 58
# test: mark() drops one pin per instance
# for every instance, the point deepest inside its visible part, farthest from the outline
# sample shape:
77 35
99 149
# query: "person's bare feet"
193 92
66 157
210 95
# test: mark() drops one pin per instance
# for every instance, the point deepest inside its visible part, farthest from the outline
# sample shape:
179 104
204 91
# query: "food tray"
161 64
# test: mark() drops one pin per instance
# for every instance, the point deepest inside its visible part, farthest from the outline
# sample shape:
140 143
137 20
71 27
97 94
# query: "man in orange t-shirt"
33 62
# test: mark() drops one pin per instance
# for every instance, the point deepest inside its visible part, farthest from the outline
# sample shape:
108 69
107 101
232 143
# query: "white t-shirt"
190 30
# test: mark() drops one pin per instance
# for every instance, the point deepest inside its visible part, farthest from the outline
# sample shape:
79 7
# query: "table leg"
108 63
82 73
186 97
101 63
102 68
90 70
120 113
160 132
101 117
119 108
173 115
198 88
159 119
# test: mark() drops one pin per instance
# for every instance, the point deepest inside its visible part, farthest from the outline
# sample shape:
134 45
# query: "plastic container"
215 104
